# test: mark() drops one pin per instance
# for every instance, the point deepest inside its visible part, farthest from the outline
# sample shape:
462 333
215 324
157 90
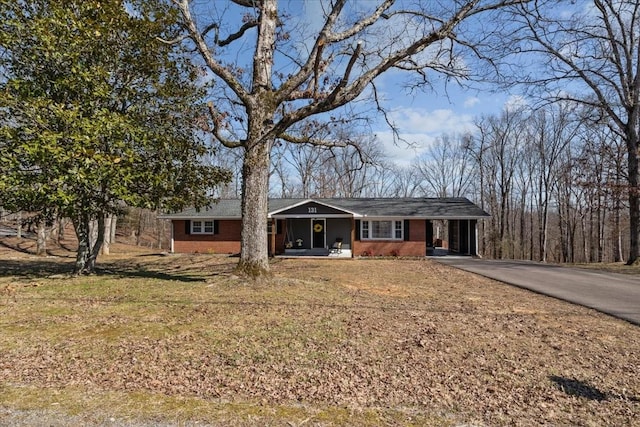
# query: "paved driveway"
611 293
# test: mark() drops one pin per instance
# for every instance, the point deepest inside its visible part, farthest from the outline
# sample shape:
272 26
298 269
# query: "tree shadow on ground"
39 268
27 246
15 248
34 268
577 388
124 272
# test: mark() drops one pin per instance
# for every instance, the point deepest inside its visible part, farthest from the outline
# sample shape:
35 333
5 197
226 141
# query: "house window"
364 233
202 227
382 230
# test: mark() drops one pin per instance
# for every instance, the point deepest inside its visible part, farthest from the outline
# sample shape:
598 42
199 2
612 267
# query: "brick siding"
227 241
415 246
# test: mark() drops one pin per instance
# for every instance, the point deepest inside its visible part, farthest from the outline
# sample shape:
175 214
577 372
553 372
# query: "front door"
318 232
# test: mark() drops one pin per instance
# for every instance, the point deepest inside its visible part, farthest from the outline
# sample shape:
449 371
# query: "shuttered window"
204 227
382 229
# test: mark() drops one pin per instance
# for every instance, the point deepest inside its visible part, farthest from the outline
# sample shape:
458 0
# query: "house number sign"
313 210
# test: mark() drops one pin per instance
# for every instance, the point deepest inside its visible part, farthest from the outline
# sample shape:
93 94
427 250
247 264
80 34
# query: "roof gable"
312 208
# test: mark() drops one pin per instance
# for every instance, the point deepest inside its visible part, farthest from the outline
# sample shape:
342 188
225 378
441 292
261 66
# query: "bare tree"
445 167
405 181
587 55
553 129
390 180
353 166
524 183
230 160
306 161
499 147
279 169
296 73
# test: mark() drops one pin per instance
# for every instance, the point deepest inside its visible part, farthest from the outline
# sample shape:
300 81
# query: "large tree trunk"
254 256
138 232
617 244
19 225
81 225
159 229
41 239
634 196
88 245
106 246
114 221
97 241
62 222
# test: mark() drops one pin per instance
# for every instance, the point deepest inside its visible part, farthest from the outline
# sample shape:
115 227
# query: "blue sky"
421 116
424 116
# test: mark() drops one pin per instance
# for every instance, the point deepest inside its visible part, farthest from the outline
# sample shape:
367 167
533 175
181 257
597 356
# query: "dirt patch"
181 339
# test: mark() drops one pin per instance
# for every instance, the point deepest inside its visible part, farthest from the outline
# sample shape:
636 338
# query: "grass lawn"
181 340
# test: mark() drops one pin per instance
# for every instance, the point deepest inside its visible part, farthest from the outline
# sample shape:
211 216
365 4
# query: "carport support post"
272 240
475 228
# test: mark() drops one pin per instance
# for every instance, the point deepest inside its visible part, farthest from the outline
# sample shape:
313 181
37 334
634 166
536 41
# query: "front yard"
181 340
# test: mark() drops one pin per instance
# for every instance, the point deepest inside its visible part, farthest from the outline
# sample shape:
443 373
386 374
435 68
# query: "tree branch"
206 54
248 3
217 119
314 59
362 24
347 92
232 37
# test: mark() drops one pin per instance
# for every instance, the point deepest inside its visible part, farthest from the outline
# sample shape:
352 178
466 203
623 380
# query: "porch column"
353 236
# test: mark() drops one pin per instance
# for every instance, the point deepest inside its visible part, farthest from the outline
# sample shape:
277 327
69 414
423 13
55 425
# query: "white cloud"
515 102
439 121
471 102
405 151
419 128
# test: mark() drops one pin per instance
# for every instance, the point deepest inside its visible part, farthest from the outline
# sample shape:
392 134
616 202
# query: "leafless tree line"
553 179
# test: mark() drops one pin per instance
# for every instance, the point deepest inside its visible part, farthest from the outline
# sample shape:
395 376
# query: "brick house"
345 227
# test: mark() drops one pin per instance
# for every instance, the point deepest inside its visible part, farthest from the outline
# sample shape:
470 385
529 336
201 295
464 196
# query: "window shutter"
187 226
216 226
406 229
357 229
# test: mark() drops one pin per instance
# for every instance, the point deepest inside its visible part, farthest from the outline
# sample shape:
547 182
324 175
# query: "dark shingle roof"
449 207
432 208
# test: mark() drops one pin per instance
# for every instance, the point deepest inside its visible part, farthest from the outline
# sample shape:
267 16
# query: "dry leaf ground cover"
181 340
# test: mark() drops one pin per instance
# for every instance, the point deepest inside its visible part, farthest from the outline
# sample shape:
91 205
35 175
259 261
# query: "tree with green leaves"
97 114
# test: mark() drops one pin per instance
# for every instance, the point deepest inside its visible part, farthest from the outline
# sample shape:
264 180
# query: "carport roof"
409 207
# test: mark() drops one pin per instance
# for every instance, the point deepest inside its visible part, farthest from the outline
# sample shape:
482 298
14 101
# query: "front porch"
314 236
316 252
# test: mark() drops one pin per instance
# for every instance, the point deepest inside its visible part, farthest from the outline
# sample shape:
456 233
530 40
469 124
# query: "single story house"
344 227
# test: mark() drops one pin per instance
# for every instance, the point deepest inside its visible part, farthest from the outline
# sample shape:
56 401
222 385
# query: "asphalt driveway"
610 293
